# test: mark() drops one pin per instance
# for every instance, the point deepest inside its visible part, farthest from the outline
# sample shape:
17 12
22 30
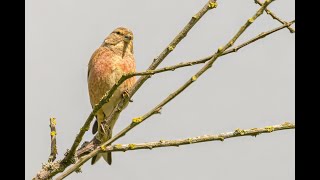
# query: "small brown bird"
108 63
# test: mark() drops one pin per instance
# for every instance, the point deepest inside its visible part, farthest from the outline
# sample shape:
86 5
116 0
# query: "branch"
260 36
204 138
203 60
275 17
199 139
138 120
53 134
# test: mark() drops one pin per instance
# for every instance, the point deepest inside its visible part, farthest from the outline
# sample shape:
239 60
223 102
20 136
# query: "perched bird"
108 63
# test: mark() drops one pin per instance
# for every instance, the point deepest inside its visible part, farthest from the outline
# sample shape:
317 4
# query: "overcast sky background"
251 88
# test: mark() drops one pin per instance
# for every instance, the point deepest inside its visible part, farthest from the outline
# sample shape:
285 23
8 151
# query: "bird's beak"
127 38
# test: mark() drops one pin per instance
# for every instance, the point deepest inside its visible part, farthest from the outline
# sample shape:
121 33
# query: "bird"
114 58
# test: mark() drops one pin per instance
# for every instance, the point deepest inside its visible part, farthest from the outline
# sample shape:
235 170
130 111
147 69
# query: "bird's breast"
106 72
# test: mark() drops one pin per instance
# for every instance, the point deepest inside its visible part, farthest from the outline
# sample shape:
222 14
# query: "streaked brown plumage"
107 64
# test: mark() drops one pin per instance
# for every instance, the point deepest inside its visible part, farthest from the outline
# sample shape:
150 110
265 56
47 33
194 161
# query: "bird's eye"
118 33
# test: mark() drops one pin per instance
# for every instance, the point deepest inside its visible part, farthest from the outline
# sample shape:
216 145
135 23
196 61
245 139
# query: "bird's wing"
91 61
95 125
100 54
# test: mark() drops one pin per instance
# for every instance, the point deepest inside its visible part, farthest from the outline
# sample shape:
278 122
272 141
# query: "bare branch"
203 60
53 135
204 138
260 36
138 120
275 17
199 139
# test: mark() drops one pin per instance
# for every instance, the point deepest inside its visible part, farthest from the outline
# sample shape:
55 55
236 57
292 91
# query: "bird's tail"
106 156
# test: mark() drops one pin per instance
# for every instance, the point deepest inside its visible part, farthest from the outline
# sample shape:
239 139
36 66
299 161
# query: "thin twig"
204 138
53 135
199 139
275 17
260 36
203 60
155 110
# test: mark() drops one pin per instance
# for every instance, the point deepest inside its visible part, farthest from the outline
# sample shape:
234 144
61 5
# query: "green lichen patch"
212 5
103 148
269 128
131 146
171 48
137 120
239 131
118 146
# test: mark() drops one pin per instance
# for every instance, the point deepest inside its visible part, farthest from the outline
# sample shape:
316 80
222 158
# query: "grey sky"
251 88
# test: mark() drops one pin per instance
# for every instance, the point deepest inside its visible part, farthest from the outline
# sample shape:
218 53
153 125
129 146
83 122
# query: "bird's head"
120 38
